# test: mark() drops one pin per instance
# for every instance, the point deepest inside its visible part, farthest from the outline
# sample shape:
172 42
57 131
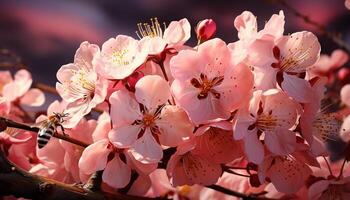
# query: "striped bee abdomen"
44 136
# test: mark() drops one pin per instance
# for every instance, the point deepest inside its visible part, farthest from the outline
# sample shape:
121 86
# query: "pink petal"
282 108
24 80
103 127
140 186
297 88
34 97
288 176
124 136
241 125
281 141
176 172
94 157
316 189
152 91
124 108
5 77
155 45
254 148
178 32
246 25
146 149
275 26
345 95
116 174
303 47
217 145
174 126
200 170
261 54
186 64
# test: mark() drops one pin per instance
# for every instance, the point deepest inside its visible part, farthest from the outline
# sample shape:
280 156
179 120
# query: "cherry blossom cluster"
247 115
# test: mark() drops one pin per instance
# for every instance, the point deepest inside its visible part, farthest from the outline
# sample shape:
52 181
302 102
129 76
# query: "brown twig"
17 182
237 194
94 182
333 36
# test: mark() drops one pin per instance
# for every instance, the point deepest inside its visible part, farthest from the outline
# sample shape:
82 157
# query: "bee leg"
62 129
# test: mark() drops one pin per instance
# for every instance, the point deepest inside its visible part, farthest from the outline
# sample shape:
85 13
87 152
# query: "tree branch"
17 182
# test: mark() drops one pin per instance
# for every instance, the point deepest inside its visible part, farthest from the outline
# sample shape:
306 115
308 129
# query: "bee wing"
40 124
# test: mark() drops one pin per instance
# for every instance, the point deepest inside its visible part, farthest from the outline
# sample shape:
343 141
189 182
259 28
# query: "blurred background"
47 33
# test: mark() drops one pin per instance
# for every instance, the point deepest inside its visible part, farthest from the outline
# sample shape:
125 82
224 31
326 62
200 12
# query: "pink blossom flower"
187 168
79 85
327 64
347 4
156 41
119 57
209 83
142 128
287 173
18 89
246 25
101 155
330 189
217 145
294 54
317 127
272 114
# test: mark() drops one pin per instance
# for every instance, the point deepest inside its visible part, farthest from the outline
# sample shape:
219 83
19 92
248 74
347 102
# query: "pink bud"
205 29
344 75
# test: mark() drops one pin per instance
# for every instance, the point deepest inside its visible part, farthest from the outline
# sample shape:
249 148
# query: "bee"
48 128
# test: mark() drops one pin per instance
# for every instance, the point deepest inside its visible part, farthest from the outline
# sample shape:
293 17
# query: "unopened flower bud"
205 30
344 75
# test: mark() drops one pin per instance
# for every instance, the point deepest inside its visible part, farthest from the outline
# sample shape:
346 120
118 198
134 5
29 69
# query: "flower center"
206 85
82 83
152 30
148 120
266 122
332 192
292 61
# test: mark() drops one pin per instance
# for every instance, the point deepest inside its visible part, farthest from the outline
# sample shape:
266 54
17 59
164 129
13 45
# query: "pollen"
119 57
148 120
152 30
266 122
326 126
206 86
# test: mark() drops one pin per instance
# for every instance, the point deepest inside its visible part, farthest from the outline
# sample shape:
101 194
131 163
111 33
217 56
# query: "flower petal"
281 141
152 91
297 88
174 126
116 174
254 148
146 149
124 108
94 157
124 136
34 97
